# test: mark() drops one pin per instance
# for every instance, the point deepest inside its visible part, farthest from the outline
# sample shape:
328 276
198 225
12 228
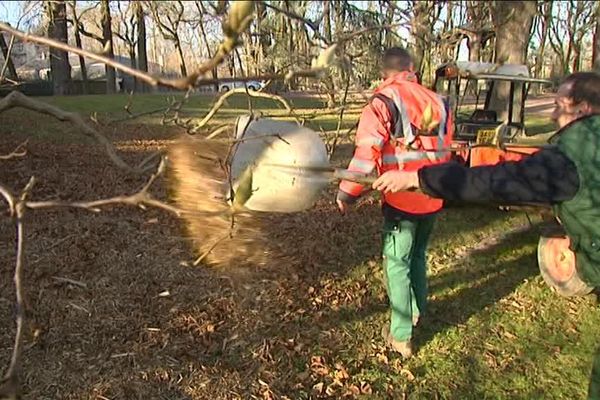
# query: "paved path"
542 104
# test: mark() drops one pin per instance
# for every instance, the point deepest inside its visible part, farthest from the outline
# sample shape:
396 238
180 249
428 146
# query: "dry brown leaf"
352 391
382 358
408 374
365 388
318 387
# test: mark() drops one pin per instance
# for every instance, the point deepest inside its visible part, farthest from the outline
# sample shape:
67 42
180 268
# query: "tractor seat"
484 116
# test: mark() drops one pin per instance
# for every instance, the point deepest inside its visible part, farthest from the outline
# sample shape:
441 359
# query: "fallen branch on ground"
17 99
140 199
17 207
10 387
19 151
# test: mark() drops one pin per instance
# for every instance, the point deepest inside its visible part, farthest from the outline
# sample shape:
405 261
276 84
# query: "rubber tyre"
566 282
252 87
225 89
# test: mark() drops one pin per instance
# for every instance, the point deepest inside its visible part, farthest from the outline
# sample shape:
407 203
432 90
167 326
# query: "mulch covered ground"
117 311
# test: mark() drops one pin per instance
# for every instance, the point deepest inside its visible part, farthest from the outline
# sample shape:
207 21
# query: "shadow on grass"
305 310
485 282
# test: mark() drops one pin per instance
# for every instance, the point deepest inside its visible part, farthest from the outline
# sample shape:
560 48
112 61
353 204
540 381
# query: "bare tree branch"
313 25
7 60
221 100
306 73
10 385
186 82
9 198
17 99
218 131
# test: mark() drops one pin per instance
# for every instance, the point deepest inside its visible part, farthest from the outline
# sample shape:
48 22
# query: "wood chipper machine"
487 128
487 132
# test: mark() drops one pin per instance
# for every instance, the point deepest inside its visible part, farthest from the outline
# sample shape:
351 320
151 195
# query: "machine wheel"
224 88
558 267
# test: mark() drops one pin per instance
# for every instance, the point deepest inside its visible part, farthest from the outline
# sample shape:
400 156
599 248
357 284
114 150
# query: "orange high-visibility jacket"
376 146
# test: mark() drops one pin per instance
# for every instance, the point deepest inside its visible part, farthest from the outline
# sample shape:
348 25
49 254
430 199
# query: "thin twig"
211 248
70 281
218 131
176 108
132 116
19 151
311 24
269 135
304 73
352 35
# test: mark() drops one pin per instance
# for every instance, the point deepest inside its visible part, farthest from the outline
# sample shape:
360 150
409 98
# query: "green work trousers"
405 271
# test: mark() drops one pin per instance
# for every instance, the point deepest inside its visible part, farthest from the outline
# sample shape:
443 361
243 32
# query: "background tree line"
553 38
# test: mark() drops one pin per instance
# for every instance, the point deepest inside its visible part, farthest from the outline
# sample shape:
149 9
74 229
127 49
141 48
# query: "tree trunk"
258 48
419 31
215 73
59 60
596 42
142 55
545 20
11 71
389 18
576 58
182 66
327 19
133 63
82 66
474 45
512 21
570 34
329 85
108 46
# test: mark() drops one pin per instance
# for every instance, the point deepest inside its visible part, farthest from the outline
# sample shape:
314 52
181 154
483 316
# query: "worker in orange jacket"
405 126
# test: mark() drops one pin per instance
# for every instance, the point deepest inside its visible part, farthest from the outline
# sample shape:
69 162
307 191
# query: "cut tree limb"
17 99
140 199
253 93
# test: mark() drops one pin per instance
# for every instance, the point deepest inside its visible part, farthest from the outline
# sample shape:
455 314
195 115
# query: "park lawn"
494 330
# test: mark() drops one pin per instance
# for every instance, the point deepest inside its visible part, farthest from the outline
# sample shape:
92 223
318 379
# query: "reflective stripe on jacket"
404 146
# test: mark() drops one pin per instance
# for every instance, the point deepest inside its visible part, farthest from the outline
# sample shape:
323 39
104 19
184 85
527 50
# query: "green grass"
536 124
106 108
494 330
109 108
